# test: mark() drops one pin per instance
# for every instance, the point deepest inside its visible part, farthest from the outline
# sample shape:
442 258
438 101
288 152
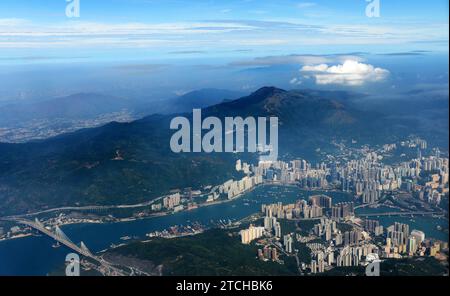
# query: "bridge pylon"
85 249
39 223
61 234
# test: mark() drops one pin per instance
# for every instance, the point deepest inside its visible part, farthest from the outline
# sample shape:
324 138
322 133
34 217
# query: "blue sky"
158 48
179 29
177 10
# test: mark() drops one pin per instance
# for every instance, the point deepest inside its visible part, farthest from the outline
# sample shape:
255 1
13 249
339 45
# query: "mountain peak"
258 96
267 91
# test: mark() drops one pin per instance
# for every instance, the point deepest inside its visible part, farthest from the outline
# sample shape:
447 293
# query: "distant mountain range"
192 100
24 122
91 105
123 163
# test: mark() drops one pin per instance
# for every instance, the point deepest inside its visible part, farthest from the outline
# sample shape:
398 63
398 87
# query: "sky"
152 29
174 46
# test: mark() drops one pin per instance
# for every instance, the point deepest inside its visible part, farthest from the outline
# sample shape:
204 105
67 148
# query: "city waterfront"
35 255
38 251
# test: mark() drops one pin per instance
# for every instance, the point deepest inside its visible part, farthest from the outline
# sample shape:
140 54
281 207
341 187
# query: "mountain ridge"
82 167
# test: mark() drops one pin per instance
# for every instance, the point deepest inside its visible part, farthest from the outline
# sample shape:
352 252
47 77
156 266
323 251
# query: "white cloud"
18 33
351 72
21 33
303 5
80 28
12 22
296 81
302 59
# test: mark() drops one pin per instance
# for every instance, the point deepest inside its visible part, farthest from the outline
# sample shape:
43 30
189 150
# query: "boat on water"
56 245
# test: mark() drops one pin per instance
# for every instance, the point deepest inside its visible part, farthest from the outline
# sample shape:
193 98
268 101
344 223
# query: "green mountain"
122 163
216 252
311 119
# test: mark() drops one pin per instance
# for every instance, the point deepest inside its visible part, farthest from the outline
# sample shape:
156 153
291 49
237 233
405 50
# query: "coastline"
168 213
24 235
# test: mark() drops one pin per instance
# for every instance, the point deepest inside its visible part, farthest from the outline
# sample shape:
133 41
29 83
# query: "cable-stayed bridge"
62 238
